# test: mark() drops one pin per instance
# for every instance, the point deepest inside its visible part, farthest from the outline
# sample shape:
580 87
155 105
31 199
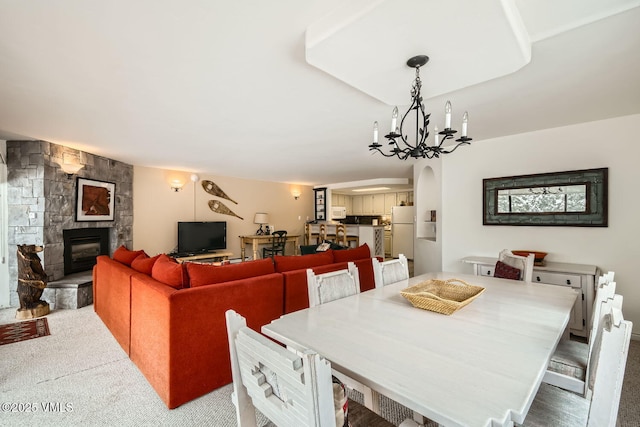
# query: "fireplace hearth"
82 246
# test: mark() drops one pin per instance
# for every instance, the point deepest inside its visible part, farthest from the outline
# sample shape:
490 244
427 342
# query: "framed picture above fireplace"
95 200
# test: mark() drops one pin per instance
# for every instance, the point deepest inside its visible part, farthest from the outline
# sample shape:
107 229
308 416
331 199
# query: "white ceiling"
224 87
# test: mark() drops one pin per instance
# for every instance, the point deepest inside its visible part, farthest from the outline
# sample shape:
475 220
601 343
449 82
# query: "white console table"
578 276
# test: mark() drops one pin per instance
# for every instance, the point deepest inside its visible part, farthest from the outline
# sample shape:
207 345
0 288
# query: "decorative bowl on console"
538 256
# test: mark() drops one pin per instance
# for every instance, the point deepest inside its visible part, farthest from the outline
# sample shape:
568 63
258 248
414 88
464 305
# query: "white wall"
427 197
157 209
609 143
4 226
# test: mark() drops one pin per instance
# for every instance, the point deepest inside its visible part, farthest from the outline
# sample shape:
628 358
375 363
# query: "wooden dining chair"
326 287
569 364
508 263
554 406
288 388
278 244
391 271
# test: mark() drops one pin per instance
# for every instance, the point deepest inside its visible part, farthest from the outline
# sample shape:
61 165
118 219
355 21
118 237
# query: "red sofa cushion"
207 274
361 252
144 264
289 263
365 273
296 295
126 256
166 270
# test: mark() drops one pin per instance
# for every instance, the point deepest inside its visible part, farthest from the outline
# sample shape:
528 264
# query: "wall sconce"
261 218
71 169
176 185
295 193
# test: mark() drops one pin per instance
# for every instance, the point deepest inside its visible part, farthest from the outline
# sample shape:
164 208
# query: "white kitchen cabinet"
367 204
402 198
348 204
357 205
387 243
338 200
372 204
373 236
389 202
581 277
378 204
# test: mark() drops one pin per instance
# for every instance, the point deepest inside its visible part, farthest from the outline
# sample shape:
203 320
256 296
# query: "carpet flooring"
79 375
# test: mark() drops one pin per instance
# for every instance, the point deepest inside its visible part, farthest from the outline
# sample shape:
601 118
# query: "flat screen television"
200 237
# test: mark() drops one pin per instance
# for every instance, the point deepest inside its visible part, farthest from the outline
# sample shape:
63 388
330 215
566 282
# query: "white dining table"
480 366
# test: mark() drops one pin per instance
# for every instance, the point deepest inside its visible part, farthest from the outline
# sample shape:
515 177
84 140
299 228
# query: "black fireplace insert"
82 246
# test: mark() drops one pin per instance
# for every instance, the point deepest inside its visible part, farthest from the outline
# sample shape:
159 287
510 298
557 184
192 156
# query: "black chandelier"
421 148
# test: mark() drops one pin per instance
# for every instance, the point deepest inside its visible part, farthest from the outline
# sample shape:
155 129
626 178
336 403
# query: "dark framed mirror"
572 198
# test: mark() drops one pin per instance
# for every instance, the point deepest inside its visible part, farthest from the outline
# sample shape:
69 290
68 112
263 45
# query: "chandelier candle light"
421 148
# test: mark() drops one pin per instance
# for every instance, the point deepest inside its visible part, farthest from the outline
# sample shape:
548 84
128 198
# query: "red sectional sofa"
169 317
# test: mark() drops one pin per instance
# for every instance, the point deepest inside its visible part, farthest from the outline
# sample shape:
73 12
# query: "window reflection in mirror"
543 199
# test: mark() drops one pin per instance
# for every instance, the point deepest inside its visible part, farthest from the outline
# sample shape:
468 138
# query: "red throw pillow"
361 252
206 274
505 271
289 263
166 270
126 256
144 264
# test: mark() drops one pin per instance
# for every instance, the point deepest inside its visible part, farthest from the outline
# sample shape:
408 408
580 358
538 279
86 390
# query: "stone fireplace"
41 206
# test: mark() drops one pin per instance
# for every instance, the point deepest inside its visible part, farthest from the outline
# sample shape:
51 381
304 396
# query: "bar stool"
309 236
343 239
322 233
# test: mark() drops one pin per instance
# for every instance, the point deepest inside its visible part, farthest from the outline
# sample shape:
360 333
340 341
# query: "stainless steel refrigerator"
402 231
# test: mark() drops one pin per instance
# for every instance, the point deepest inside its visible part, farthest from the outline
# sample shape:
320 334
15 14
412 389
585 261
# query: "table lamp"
260 218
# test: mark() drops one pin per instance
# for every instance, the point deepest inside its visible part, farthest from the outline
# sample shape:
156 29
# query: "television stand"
209 257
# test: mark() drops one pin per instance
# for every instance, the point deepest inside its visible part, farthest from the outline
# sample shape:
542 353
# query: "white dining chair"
554 406
570 362
391 271
291 390
326 287
524 264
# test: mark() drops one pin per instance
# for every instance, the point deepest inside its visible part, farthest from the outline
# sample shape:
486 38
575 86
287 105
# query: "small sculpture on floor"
31 283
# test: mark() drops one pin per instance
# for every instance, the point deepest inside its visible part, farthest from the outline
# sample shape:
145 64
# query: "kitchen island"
372 235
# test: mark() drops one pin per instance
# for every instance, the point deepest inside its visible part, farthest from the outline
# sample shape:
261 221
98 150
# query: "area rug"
26 330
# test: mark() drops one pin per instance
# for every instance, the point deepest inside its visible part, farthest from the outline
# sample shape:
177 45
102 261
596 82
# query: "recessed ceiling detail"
366 43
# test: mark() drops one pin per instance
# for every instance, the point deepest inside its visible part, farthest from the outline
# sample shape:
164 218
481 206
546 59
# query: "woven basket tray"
441 296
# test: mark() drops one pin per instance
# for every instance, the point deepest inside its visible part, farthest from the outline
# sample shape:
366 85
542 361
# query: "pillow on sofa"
361 252
144 264
207 274
505 271
288 263
166 270
126 256
308 249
